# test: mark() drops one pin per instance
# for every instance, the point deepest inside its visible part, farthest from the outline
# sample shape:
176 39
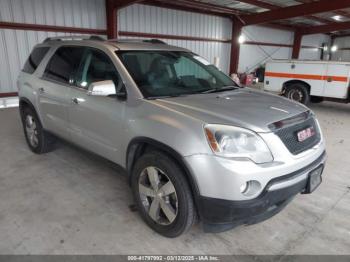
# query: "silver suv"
194 143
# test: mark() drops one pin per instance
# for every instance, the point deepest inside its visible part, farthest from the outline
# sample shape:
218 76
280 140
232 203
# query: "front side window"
170 73
35 59
96 66
64 64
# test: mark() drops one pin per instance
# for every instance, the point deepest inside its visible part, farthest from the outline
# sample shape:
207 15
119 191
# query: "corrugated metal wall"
15 45
313 40
150 19
251 56
342 55
71 13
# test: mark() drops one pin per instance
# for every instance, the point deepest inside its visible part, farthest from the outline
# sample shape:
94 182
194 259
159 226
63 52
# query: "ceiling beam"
196 5
169 5
338 12
269 6
322 29
295 11
260 4
342 13
210 9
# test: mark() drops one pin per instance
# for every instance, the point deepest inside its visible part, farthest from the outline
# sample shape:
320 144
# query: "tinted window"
34 59
64 64
96 66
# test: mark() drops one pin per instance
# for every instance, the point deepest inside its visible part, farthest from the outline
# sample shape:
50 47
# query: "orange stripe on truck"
309 77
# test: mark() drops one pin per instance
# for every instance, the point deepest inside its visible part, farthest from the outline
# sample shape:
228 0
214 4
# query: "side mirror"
102 88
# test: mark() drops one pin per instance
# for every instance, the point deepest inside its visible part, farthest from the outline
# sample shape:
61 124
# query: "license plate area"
314 179
305 134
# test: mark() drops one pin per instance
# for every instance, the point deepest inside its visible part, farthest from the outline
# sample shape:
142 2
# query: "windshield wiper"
221 89
165 96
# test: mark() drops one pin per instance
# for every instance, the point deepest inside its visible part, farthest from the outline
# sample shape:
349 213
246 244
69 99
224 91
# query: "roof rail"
74 37
133 40
154 41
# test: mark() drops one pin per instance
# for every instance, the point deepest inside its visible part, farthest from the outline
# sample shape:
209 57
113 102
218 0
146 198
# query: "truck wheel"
162 194
38 140
298 93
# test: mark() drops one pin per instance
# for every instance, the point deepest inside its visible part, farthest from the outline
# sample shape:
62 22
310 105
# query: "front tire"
38 140
298 93
162 194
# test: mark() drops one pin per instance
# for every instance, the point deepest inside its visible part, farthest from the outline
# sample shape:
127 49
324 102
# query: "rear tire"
298 93
162 194
38 140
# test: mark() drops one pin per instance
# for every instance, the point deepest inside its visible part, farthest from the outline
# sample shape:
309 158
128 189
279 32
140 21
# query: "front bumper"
222 178
219 215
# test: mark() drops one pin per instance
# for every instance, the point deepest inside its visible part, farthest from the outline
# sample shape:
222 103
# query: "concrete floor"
71 202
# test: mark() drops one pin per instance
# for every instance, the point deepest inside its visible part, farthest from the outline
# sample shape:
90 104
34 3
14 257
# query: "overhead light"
241 39
337 17
325 48
334 48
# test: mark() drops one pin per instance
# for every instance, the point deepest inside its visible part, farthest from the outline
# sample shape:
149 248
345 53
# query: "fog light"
243 187
250 188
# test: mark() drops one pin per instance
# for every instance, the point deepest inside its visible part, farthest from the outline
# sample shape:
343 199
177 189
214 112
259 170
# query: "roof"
120 44
132 44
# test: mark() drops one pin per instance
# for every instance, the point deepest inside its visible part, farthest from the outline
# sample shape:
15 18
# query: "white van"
306 80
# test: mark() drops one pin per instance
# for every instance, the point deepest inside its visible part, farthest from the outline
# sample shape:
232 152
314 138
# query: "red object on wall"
247 79
8 94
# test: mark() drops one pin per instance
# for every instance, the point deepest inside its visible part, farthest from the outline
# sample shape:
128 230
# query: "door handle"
41 90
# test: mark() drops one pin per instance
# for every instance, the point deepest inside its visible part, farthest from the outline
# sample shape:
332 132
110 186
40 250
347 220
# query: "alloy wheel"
31 131
158 195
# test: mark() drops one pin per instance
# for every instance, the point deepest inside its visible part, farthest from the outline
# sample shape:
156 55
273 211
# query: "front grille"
289 137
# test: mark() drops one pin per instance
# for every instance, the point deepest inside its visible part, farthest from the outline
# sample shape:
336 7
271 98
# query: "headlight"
236 142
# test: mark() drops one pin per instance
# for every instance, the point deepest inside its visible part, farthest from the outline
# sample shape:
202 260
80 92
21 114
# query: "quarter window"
35 59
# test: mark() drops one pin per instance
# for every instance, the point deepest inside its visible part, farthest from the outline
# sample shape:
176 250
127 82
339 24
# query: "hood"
244 107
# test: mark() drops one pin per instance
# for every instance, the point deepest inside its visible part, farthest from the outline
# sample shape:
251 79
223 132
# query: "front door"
96 122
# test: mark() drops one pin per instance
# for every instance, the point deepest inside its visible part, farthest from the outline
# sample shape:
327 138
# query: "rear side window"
35 59
64 64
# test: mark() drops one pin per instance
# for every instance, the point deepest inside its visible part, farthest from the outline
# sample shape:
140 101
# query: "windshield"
169 73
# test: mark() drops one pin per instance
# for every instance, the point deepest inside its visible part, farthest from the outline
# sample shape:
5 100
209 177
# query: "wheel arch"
139 145
25 102
289 83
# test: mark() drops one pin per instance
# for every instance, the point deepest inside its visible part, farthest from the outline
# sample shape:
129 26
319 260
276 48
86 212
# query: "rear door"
337 80
96 122
54 88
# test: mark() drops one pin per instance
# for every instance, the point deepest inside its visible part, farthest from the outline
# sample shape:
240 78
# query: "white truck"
308 81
